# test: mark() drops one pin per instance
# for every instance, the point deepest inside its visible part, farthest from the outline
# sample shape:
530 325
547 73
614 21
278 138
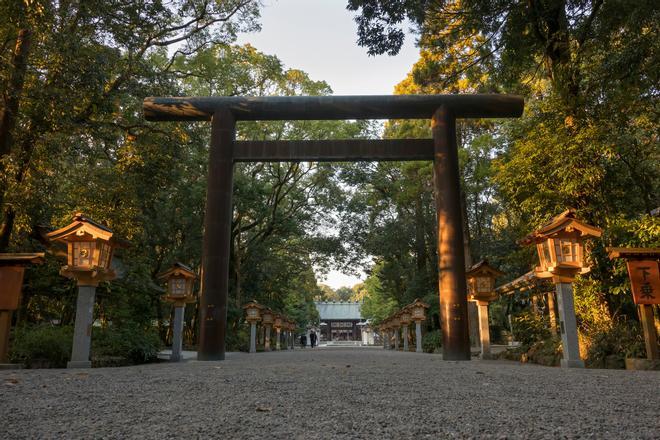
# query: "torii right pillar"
451 259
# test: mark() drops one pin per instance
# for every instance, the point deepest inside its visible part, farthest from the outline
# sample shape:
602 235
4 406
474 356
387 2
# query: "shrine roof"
339 310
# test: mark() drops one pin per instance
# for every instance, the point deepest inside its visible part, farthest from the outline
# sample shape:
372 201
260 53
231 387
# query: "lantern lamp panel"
484 284
104 255
83 252
177 286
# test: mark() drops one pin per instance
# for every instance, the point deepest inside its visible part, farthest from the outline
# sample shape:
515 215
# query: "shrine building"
340 320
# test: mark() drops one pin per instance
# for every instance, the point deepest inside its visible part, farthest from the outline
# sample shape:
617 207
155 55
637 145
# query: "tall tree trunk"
11 98
12 93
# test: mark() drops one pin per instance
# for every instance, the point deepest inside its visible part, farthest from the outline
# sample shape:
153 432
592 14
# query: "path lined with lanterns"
329 393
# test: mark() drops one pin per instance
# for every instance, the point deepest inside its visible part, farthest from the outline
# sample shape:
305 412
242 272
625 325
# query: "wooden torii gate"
223 112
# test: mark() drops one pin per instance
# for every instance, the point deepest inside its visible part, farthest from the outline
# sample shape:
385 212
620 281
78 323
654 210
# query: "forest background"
72 138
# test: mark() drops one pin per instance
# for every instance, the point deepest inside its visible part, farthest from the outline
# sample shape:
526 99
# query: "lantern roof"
253 304
82 225
483 268
177 269
418 303
633 253
21 259
566 221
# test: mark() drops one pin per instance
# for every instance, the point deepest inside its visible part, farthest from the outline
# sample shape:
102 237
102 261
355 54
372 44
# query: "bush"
610 347
132 343
42 346
530 328
432 341
546 352
239 340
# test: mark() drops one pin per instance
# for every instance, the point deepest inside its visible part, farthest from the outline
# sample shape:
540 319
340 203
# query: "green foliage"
610 346
529 328
134 343
544 352
42 345
432 341
239 339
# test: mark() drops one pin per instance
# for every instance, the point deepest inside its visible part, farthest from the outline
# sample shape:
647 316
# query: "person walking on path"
303 340
312 339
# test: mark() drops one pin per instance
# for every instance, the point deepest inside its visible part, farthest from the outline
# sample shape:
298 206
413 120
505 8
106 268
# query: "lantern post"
418 309
267 322
277 325
12 269
179 280
252 316
404 319
644 273
383 331
90 247
481 289
396 323
562 256
292 335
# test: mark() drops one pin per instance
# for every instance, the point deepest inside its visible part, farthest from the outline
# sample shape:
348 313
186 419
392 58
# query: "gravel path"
328 394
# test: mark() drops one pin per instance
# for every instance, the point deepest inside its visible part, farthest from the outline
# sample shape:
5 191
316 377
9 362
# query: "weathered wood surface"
245 108
333 150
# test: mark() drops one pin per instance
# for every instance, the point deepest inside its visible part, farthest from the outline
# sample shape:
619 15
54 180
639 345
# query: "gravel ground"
355 393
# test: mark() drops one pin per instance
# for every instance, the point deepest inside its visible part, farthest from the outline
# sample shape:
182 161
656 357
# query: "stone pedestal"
418 336
405 338
177 333
82 333
267 339
253 337
484 330
568 327
277 339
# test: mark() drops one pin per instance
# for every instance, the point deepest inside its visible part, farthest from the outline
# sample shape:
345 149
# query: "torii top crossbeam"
274 108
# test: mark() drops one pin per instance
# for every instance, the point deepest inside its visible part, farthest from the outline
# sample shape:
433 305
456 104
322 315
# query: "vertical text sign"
645 281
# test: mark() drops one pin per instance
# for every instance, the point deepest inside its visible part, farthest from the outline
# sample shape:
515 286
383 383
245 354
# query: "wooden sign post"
12 268
645 285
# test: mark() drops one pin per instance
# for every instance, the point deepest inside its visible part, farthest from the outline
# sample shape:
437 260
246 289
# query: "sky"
319 37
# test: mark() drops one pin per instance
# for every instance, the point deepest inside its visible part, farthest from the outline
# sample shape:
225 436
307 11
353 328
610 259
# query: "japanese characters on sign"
645 281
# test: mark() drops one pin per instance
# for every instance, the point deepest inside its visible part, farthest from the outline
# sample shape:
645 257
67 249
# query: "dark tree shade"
379 22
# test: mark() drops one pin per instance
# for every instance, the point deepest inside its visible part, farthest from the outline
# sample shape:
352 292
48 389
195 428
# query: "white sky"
319 37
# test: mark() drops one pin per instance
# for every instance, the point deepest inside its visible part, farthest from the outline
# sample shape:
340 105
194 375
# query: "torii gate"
223 112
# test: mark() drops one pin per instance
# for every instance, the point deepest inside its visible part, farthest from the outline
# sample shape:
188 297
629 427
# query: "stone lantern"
418 311
395 323
481 289
562 256
253 315
404 320
292 334
12 268
267 319
277 325
383 331
90 247
179 280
